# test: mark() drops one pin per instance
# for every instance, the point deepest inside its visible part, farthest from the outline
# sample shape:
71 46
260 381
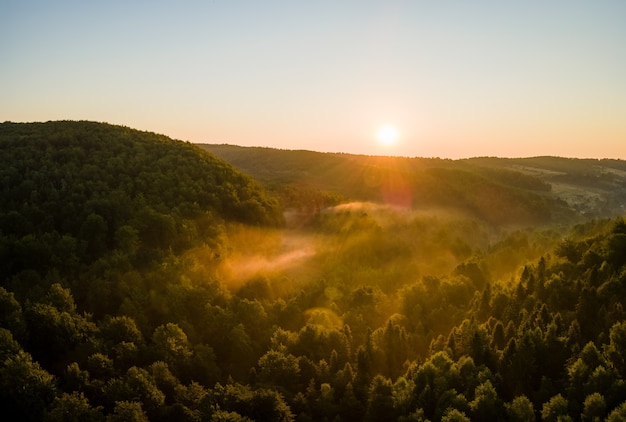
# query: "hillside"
592 187
73 192
86 161
531 191
142 278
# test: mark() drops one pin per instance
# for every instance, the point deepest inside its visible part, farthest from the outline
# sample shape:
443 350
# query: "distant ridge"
505 191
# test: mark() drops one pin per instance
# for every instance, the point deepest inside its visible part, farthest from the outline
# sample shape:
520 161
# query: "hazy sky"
457 78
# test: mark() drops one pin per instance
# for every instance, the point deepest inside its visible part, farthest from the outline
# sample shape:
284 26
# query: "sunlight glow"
387 135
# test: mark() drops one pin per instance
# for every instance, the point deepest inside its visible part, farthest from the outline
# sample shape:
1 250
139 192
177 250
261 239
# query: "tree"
431 380
73 408
498 338
165 380
350 407
261 404
128 411
8 346
242 355
269 405
618 414
486 405
25 388
76 379
607 382
450 399
137 385
225 416
455 415
520 410
570 250
11 316
403 395
555 409
364 363
53 333
171 344
380 405
586 313
202 366
325 404
392 341
594 409
616 350
100 366
518 363
279 369
616 249
118 329
122 340
60 298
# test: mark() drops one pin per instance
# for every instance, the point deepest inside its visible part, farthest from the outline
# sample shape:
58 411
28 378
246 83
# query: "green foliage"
73 408
11 316
520 410
380 403
594 408
170 344
278 369
54 333
78 190
455 415
555 409
501 191
618 414
260 404
26 389
486 404
141 278
127 411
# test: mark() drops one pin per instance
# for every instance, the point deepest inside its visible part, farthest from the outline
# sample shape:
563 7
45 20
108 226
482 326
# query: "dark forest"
145 278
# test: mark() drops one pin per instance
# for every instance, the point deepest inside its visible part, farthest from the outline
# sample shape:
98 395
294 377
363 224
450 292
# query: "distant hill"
591 187
541 190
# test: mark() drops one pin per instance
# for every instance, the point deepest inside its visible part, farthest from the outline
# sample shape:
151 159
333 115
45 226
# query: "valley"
158 279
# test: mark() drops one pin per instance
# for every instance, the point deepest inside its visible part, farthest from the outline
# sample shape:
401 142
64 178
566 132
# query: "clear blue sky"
457 78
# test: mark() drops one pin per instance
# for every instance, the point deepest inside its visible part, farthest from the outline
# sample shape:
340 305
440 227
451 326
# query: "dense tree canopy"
143 279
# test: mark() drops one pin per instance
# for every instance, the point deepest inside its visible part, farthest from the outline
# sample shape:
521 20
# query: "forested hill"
93 187
142 278
541 190
87 161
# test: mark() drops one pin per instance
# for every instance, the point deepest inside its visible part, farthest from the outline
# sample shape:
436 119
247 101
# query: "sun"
387 135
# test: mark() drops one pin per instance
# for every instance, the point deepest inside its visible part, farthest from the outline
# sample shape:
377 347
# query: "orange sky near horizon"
457 80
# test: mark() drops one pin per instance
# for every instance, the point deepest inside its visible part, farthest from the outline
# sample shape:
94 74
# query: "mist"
366 244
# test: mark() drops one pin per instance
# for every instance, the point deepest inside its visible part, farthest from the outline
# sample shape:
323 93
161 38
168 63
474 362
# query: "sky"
455 78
